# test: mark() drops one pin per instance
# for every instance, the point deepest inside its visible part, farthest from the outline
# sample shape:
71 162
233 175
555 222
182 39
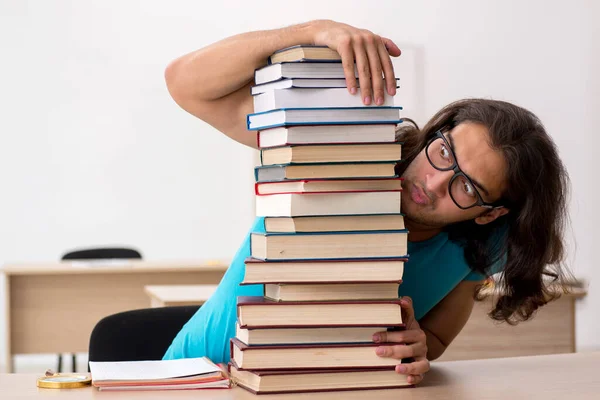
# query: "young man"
484 191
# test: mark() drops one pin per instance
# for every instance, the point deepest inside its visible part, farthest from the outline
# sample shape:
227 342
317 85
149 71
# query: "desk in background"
178 295
550 331
52 308
565 376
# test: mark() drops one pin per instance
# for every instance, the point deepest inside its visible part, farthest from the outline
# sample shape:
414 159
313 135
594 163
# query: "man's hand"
414 345
371 53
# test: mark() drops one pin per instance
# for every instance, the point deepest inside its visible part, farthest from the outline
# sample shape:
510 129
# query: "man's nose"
437 182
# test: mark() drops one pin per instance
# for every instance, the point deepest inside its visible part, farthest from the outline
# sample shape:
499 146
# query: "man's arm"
214 83
445 321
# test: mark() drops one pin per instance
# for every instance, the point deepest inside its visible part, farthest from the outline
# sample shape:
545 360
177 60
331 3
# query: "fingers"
364 70
407 336
372 43
388 69
401 351
407 306
371 54
415 369
347 54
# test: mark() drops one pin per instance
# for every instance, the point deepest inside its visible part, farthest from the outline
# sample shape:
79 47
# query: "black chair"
138 335
98 253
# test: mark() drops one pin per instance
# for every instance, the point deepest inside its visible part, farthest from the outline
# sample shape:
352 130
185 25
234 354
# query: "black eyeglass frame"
458 172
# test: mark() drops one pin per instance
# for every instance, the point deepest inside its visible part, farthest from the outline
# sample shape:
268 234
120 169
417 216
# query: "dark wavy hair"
530 237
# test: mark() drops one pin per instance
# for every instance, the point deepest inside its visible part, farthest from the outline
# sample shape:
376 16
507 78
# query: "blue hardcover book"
329 245
324 116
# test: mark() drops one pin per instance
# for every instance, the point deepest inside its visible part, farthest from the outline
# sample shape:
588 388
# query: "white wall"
93 150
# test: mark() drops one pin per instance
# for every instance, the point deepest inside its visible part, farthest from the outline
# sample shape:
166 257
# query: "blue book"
363 170
324 116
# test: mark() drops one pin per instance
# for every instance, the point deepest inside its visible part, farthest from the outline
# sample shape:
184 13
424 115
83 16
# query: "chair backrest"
138 335
102 253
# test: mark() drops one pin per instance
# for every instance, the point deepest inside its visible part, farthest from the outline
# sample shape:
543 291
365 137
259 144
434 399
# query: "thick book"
278 173
294 70
259 312
327 291
188 373
329 245
326 134
288 336
331 153
308 356
302 83
336 223
356 270
313 98
306 381
323 116
300 204
329 185
304 52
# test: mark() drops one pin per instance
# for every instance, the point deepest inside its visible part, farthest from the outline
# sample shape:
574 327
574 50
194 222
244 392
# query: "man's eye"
444 152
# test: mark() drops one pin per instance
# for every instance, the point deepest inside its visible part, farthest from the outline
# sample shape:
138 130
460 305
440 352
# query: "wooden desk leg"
5 317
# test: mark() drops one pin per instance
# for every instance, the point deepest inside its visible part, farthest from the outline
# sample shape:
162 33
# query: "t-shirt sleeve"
207 333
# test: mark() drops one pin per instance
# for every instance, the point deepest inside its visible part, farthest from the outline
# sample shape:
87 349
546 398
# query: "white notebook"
150 370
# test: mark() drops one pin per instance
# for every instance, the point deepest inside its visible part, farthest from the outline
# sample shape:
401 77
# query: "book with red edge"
259 312
308 356
307 381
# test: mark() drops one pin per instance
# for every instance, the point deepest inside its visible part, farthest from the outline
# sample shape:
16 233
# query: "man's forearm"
225 66
435 348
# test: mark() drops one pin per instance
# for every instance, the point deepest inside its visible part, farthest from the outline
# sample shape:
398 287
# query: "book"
302 70
328 245
314 204
329 185
258 312
321 271
308 356
331 153
256 337
304 52
188 373
326 134
302 83
331 291
278 173
325 116
313 98
338 223
303 381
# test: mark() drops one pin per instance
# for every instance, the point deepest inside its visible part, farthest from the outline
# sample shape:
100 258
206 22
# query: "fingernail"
376 338
353 90
380 351
379 101
367 100
401 369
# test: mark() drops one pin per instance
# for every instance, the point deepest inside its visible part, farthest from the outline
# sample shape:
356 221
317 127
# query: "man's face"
425 197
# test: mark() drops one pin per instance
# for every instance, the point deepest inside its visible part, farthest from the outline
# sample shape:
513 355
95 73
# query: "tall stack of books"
332 252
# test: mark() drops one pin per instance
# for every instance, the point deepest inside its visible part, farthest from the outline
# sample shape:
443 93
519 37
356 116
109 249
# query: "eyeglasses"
461 188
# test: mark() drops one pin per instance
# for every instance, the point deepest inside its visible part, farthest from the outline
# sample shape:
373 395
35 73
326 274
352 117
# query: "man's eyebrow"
475 182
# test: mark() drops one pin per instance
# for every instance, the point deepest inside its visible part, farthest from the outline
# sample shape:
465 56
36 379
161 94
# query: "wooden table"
178 295
565 376
52 308
551 331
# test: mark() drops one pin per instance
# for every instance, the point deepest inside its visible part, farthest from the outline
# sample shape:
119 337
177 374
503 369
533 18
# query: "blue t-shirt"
208 332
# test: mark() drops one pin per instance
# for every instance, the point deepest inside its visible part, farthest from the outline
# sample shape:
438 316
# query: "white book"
326 134
325 116
150 370
291 70
302 83
313 98
295 204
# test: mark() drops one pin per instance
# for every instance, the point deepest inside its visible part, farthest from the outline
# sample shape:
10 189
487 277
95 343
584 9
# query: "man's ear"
491 215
